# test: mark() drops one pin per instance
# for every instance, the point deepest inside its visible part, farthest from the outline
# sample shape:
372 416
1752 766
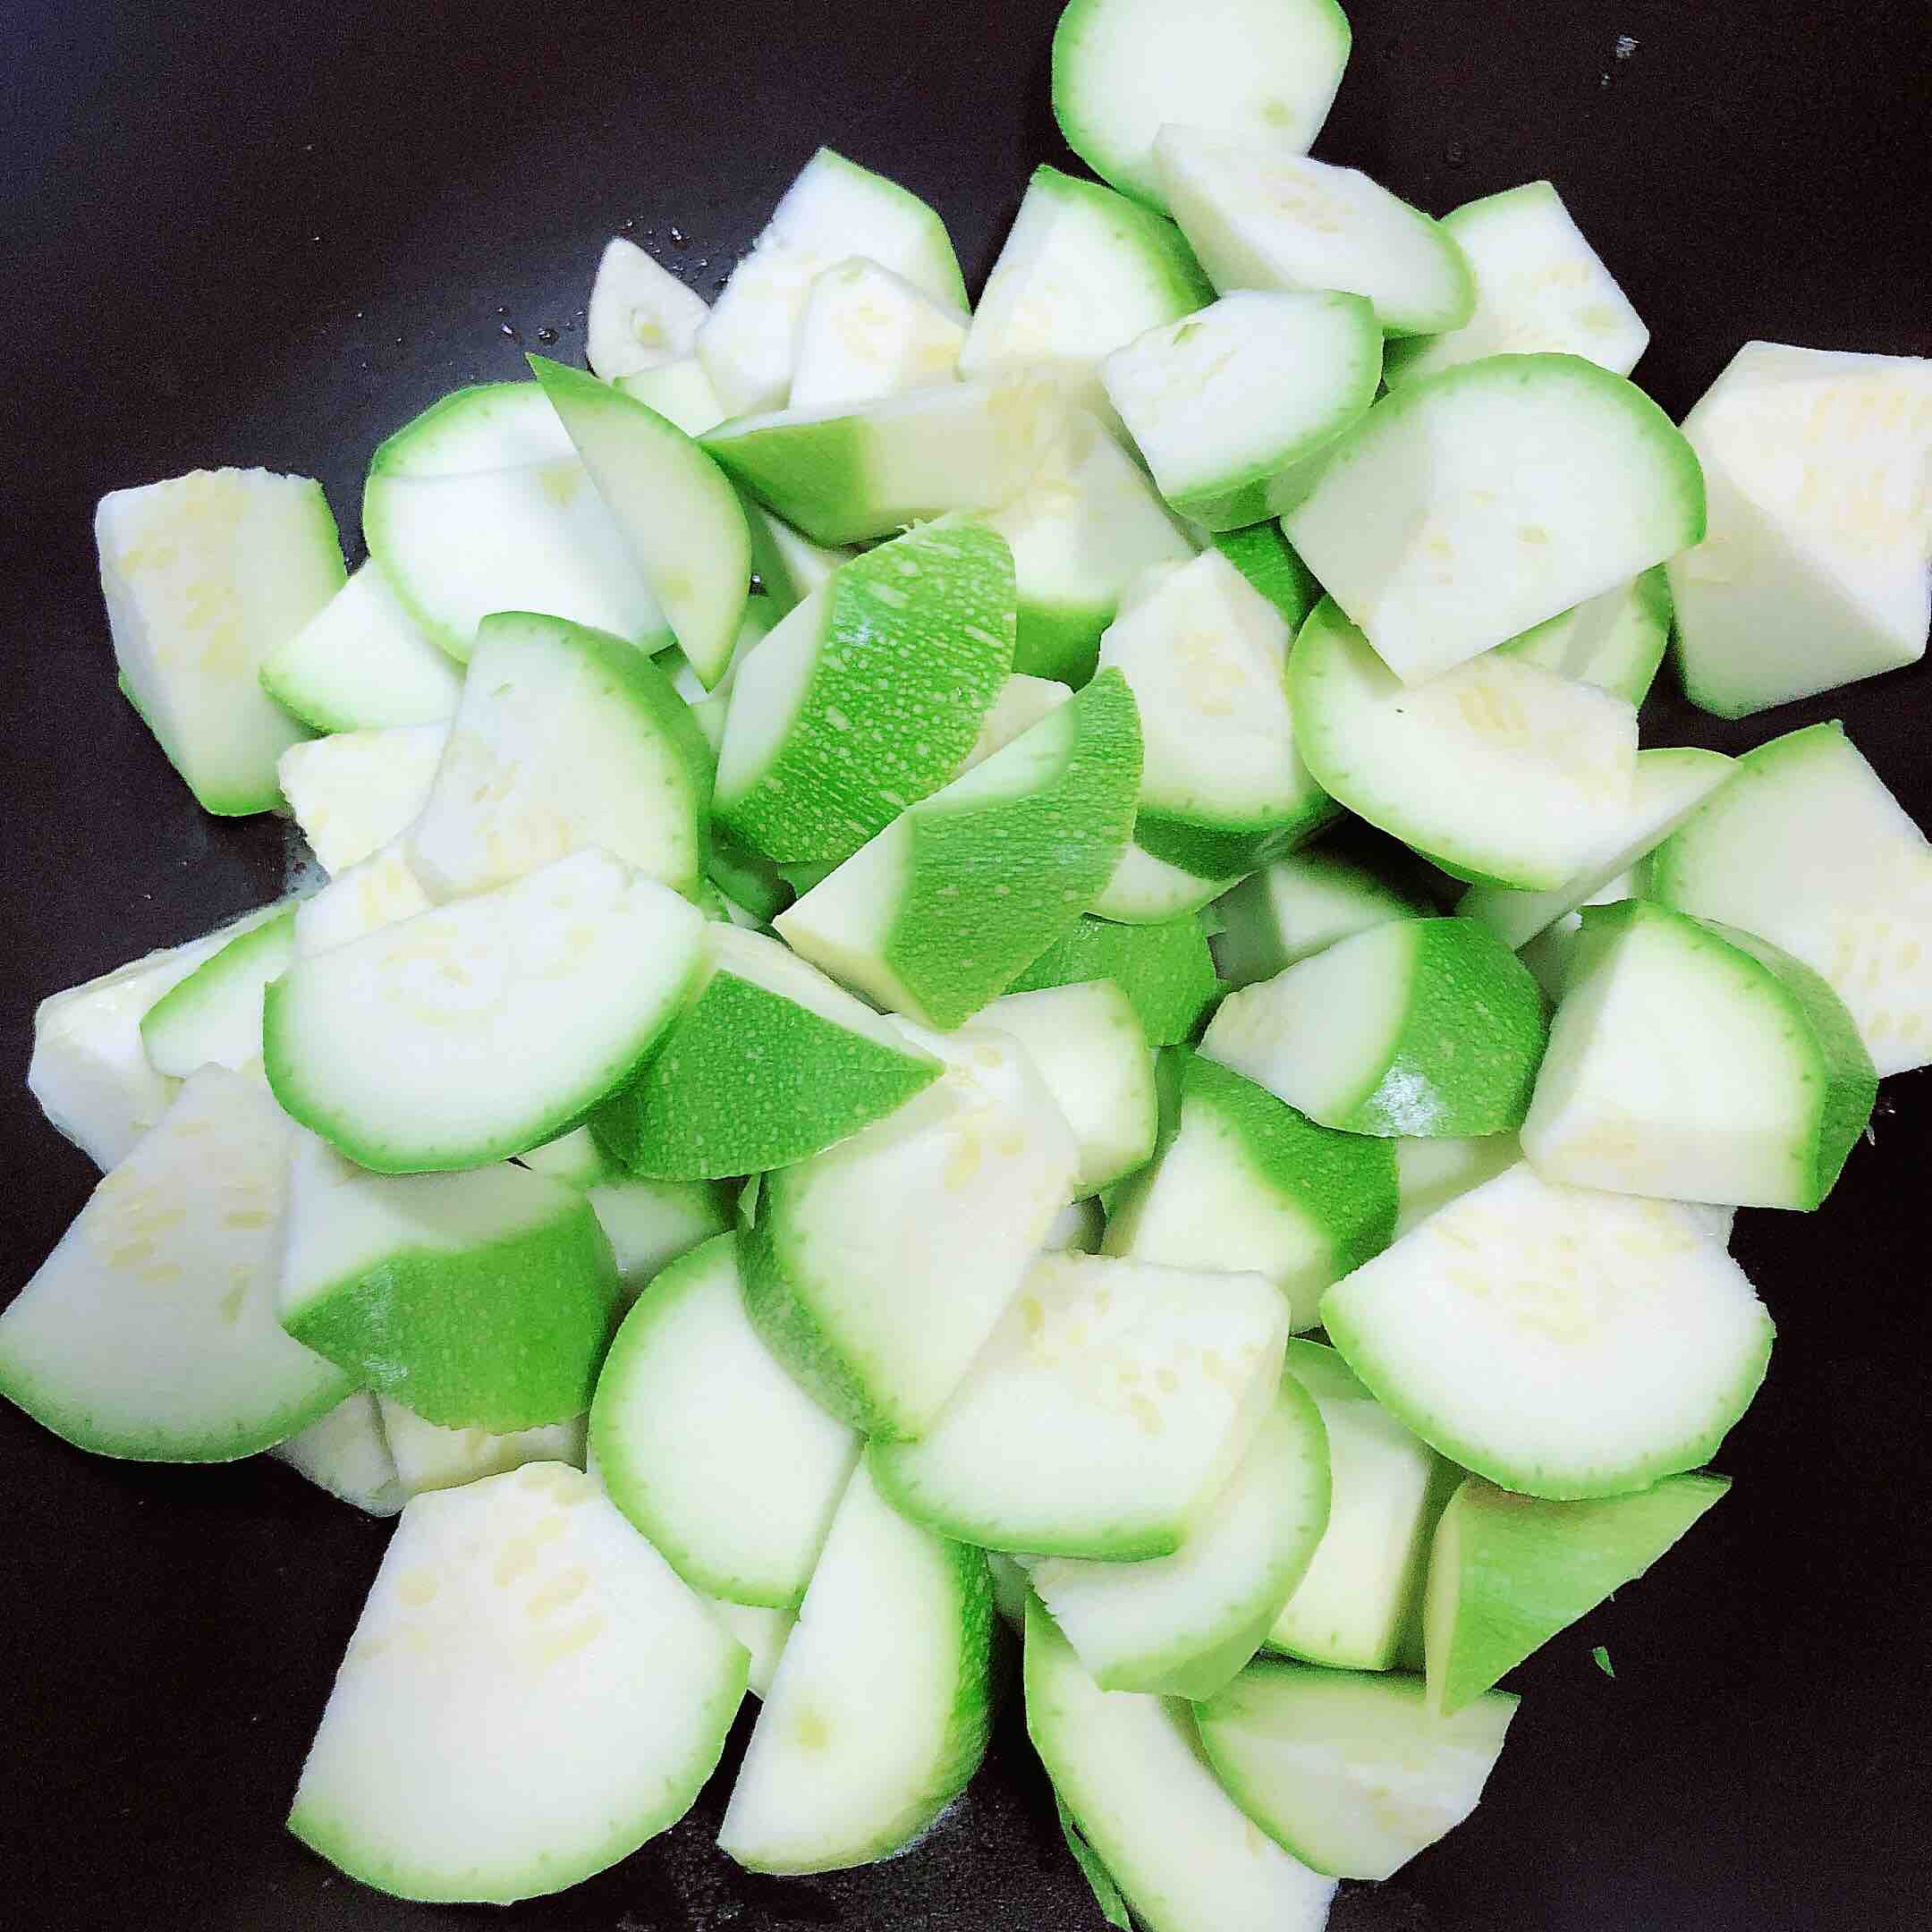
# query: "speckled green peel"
1418 1027
483 1300
865 702
1245 1183
1508 1572
1164 970
769 1062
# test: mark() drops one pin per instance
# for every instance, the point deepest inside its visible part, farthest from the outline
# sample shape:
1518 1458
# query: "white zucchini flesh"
428 1456
1131 1771
485 1027
1087 1044
206 576
530 1695
879 1709
1261 216
346 1452
1107 1410
353 791
1669 785
1227 404
1184 1625
1353 1774
709 1446
566 739
834 209
1616 639
1146 891
1081 271
679 391
213 1017
876 1270
867 332
150 1332
1299 905
482 505
1429 1174
1814 571
379 891
1562 1342
90 1071
1466 507
679 520
1358 1596
361 663
1806 847
640 315
1021 703
1540 287
1500 771
1122 68
763 1632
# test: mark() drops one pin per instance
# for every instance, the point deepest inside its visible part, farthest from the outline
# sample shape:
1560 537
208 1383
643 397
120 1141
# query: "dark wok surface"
245 234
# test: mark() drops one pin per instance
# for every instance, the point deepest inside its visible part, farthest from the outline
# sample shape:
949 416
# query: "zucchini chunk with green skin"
1540 288
767 1062
566 738
1669 785
763 1632
1165 971
936 915
833 210
353 792
523 1606
1087 1044
876 1270
213 1017
1499 771
1353 1775
1266 559
1431 1174
1223 789
1363 1586
346 1452
1299 905
1507 1572
1085 526
1615 640
1244 1182
362 663
1108 1410
679 519
205 577
150 1332
1261 216
788 564
1813 573
1082 271
640 315
1806 846
1021 704
428 1456
853 471
1691 1061
482 1299
1123 69
709 1446
1419 1028
867 332
881 1706
1231 406
469 1033
1183 1625
482 503
1131 1774
868 696
1142 890
1562 1342
88 1070
1465 507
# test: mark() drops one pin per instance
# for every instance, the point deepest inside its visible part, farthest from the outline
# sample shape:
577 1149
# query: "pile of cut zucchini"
1014 962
